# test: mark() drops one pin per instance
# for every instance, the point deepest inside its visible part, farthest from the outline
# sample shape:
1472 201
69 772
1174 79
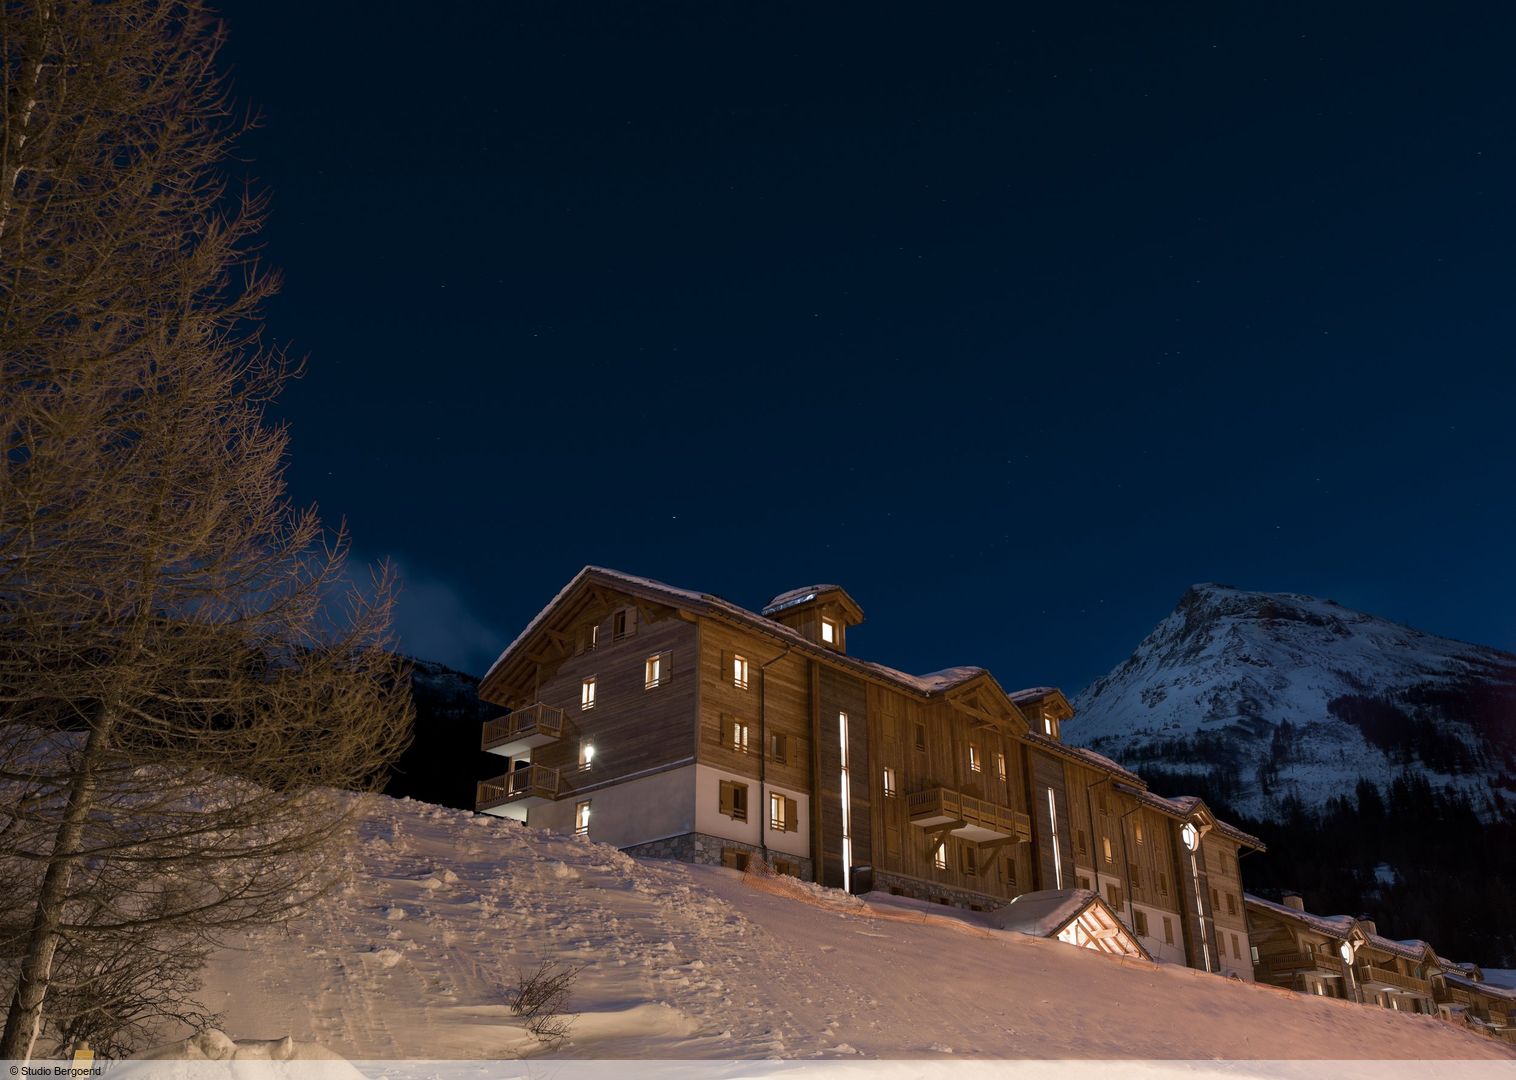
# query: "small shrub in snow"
541 999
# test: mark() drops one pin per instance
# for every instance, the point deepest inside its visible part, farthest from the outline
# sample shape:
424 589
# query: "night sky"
1013 320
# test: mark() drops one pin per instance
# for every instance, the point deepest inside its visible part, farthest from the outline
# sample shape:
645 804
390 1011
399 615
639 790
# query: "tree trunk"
24 1020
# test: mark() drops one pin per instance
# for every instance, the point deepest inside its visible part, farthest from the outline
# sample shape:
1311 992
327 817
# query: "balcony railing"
529 782
941 806
1283 967
1373 975
533 725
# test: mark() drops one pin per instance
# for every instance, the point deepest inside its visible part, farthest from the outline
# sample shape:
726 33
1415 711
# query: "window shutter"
727 790
728 731
791 815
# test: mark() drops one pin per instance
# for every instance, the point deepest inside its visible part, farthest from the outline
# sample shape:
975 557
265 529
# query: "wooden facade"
1345 957
674 723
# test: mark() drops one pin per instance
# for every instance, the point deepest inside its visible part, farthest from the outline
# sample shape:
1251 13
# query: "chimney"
1294 901
1367 924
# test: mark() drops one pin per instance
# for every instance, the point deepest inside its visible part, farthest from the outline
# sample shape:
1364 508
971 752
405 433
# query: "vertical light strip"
847 815
1205 944
1057 855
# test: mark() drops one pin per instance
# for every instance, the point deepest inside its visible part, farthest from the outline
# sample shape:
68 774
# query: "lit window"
939 854
734 800
784 813
594 637
976 762
735 735
586 754
1105 847
828 631
1137 827
587 693
582 818
1047 725
652 671
1000 765
739 672
1253 949
889 782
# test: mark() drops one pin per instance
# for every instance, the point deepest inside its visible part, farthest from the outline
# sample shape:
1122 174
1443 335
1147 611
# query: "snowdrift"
415 959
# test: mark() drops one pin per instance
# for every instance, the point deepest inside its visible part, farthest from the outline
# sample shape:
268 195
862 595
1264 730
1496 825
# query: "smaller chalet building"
674 723
1343 957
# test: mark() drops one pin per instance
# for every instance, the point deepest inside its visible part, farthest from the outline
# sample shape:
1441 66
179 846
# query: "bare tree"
185 677
541 999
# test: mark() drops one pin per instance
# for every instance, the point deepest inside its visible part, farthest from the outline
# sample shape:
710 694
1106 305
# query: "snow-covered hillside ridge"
1284 694
416 958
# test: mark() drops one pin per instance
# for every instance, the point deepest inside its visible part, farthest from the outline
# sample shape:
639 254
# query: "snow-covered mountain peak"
1273 694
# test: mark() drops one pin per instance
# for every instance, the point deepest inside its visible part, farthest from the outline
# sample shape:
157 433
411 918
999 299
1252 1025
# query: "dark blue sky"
1013 320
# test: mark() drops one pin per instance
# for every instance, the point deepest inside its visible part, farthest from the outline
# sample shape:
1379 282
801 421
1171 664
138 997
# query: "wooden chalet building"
1343 957
674 723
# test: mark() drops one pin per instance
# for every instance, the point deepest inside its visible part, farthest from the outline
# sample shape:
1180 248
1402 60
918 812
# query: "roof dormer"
1045 709
820 613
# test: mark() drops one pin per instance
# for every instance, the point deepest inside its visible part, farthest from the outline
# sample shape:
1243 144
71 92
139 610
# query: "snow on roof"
1042 914
798 596
1333 926
1410 948
1032 693
1506 993
932 683
1182 806
1086 757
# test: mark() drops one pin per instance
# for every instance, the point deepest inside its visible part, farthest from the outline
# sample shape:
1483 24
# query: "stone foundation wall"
931 890
706 850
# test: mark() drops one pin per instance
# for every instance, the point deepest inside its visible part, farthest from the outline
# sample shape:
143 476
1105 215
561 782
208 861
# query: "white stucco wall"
629 812
755 830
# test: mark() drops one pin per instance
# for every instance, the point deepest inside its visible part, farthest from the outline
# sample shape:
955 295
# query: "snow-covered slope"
415 958
1287 694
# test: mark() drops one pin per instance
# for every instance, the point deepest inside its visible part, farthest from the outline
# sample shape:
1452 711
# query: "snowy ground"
414 961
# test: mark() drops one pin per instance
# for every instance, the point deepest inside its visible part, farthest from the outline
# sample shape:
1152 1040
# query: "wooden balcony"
509 795
975 820
1282 968
1374 977
513 735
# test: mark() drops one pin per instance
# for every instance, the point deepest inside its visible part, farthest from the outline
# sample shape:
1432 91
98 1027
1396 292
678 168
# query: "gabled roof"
940 683
1505 993
1047 913
1082 756
1343 927
1187 807
806 593
1337 927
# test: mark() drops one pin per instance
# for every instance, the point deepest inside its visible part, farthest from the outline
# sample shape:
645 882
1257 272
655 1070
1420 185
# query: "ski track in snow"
415 958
